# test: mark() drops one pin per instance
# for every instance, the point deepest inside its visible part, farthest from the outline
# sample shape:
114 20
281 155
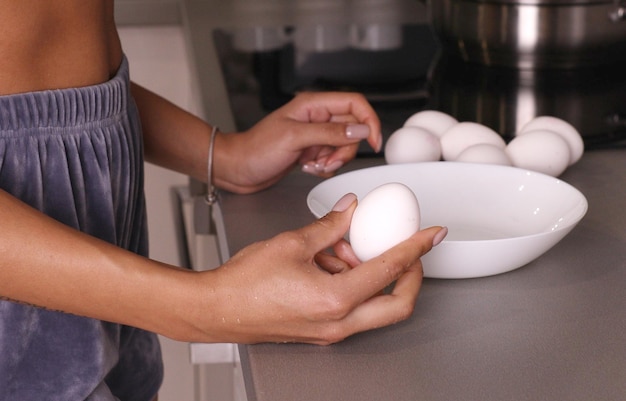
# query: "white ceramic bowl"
499 217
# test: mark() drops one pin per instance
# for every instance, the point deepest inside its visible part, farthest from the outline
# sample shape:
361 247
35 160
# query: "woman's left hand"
319 131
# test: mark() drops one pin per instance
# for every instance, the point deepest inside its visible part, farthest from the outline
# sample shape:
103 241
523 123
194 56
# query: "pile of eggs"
546 144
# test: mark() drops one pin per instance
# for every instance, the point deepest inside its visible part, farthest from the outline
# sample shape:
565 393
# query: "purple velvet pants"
77 156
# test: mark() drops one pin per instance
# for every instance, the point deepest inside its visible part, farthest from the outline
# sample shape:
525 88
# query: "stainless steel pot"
505 99
532 33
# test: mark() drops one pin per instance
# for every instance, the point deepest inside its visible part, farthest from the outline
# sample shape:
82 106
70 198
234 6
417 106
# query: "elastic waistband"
66 107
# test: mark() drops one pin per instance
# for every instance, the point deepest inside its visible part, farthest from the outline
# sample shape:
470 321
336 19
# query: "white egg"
485 153
541 150
437 122
386 216
465 134
411 145
566 130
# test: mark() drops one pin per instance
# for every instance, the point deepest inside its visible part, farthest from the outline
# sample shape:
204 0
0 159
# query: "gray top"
552 330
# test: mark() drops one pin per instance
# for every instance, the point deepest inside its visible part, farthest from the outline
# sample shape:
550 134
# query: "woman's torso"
56 44
76 155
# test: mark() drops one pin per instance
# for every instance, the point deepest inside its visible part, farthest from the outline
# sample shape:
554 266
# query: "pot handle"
619 14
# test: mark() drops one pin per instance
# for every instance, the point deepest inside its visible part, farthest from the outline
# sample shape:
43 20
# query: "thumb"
335 134
332 227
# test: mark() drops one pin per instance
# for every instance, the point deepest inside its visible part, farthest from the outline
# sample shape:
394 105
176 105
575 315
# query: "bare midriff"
56 44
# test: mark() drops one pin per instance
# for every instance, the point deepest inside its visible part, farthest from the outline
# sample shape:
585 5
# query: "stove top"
592 99
418 76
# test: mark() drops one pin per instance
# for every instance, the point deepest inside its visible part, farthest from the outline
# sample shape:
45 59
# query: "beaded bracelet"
211 195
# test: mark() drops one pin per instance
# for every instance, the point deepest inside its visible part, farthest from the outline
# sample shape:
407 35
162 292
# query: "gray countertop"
551 330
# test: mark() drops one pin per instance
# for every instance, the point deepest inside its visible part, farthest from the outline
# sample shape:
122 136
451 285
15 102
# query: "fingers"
330 229
338 116
315 159
344 251
365 279
357 289
374 275
341 144
343 259
331 263
303 304
336 133
400 264
324 106
386 309
328 160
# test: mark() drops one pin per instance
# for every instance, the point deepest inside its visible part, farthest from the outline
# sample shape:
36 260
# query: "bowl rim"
573 221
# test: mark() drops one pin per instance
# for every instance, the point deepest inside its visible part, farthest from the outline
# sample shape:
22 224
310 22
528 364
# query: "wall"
158 61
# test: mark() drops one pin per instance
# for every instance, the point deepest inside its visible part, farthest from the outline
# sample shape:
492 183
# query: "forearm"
50 265
271 291
178 140
318 131
173 138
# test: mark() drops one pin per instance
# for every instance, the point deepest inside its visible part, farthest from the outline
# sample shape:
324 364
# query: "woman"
80 299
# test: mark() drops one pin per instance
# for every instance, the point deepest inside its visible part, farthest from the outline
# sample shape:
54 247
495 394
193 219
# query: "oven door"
216 366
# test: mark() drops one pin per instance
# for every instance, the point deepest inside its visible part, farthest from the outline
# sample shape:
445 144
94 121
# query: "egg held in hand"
386 216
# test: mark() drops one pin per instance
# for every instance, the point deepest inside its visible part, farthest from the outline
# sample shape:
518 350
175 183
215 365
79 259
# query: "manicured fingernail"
345 202
357 131
309 168
320 163
334 166
441 234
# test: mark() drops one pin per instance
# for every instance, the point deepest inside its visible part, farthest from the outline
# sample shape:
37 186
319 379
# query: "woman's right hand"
285 289
288 289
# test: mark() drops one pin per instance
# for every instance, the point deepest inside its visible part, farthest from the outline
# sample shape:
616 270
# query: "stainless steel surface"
393 80
592 99
532 33
552 330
